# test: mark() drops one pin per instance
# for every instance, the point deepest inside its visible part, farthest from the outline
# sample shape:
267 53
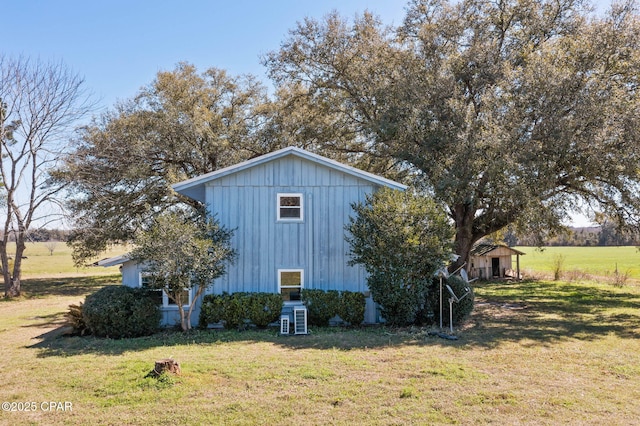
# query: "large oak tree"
182 125
509 112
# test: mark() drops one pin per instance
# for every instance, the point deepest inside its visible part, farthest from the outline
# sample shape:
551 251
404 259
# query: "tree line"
604 235
43 234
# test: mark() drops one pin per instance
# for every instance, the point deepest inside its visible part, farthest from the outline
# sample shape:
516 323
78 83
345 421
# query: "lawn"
41 262
535 352
577 261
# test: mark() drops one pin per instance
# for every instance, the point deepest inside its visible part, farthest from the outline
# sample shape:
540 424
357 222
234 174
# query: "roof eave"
194 187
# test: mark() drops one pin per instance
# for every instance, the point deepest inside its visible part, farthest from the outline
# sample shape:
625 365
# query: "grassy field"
597 261
535 352
40 262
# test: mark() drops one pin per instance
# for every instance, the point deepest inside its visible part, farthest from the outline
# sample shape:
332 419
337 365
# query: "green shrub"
264 308
321 305
76 320
399 302
120 311
352 307
461 310
400 237
236 309
212 310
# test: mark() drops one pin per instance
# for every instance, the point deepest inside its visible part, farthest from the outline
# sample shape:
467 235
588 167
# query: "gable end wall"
246 201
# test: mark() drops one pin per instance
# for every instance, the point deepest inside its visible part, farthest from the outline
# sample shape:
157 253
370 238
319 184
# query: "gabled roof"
484 248
113 261
194 187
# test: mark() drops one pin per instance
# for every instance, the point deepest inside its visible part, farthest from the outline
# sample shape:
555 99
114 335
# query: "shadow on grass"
540 312
533 313
71 286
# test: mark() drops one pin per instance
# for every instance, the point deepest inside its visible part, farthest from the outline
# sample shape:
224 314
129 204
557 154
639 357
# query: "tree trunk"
16 279
463 216
183 320
6 274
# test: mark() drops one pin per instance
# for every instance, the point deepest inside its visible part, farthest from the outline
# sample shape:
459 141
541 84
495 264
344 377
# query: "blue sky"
119 46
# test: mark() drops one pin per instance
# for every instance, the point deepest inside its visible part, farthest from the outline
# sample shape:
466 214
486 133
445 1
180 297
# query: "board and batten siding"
247 202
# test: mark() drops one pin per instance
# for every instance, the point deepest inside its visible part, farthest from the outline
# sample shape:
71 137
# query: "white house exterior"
289 209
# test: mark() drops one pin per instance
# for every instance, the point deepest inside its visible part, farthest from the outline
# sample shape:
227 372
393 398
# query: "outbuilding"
491 260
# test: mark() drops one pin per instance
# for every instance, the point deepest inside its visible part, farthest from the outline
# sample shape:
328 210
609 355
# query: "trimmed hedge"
120 311
324 305
262 309
321 305
352 307
236 309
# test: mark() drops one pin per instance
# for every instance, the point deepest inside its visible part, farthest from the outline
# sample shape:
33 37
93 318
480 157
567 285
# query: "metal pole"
451 315
440 301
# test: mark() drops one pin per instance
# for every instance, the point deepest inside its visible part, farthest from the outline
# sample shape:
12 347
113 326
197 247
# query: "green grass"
597 261
40 262
534 352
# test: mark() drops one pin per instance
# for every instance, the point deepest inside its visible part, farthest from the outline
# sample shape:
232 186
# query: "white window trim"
278 206
280 287
165 297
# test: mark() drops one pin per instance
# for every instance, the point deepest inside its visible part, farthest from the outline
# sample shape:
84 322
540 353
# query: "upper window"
290 207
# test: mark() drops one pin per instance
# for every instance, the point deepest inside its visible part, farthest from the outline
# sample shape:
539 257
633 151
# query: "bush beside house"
261 309
234 310
401 239
119 311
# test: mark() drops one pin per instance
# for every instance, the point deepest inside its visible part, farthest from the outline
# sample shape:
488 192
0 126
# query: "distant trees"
606 234
51 246
39 103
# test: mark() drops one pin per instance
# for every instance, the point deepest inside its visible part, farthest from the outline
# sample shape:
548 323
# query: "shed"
491 260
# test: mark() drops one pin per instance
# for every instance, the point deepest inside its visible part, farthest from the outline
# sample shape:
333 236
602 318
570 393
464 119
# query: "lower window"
161 297
290 283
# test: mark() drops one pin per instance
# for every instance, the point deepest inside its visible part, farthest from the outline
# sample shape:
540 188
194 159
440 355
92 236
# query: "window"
160 296
290 207
290 283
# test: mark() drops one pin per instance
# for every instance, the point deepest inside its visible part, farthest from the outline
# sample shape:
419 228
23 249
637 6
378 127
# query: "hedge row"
261 309
324 305
236 309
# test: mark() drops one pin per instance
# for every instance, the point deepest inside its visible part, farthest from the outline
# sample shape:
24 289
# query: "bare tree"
39 103
51 246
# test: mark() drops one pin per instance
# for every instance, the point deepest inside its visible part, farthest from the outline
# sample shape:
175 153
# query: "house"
490 260
289 209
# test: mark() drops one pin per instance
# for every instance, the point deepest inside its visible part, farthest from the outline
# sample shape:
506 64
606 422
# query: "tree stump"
162 365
